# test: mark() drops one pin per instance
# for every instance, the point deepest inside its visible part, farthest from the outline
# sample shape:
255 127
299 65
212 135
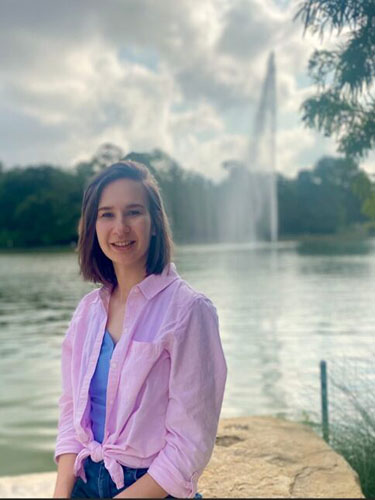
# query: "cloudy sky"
183 76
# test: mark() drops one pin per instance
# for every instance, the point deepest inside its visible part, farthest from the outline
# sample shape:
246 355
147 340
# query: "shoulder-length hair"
95 266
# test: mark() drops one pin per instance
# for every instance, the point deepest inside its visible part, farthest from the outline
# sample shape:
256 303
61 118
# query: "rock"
38 485
262 457
266 457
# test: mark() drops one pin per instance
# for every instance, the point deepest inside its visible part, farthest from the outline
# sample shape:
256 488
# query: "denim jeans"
99 482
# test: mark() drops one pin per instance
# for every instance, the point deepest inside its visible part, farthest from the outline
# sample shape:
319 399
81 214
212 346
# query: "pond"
282 308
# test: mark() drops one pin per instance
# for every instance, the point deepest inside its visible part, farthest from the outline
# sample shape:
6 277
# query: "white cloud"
204 120
296 149
207 156
251 28
147 74
369 165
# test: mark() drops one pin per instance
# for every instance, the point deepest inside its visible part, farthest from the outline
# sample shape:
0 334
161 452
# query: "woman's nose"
121 226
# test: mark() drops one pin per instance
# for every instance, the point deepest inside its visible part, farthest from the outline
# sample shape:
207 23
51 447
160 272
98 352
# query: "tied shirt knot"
96 451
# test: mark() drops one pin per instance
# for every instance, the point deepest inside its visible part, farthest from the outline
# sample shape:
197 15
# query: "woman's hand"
144 487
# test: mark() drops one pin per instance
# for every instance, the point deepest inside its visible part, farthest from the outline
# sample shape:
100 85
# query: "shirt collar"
150 286
155 283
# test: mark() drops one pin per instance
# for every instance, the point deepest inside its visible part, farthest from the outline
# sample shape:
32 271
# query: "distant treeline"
40 205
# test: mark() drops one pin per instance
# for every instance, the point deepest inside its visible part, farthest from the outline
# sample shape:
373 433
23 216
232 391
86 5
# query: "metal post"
324 395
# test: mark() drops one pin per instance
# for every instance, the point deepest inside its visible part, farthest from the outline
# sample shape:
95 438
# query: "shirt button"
126 330
114 365
136 290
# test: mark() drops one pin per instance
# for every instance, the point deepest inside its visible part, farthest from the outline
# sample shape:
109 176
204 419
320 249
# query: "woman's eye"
110 214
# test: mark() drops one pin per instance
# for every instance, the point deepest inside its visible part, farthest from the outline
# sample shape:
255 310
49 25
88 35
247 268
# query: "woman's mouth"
123 245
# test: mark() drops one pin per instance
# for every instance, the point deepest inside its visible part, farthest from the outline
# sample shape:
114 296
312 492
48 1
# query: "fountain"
250 190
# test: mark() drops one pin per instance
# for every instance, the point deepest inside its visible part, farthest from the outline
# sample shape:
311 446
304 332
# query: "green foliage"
106 155
40 205
365 192
344 105
352 418
322 201
368 207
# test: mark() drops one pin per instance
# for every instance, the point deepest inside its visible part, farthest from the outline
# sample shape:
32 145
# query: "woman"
143 370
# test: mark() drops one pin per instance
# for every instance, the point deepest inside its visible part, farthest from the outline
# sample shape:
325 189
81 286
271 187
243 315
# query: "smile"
123 244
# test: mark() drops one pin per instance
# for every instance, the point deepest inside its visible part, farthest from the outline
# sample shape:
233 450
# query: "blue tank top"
98 388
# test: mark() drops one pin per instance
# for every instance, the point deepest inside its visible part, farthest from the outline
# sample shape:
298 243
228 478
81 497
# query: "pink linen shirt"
165 385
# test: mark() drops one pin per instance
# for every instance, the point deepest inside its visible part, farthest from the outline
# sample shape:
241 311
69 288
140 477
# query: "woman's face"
123 224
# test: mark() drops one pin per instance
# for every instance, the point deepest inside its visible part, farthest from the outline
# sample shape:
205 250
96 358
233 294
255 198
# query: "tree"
365 192
39 205
324 200
106 155
337 176
344 104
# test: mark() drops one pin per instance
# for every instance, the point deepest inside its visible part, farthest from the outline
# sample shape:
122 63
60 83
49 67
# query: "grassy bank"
355 232
351 417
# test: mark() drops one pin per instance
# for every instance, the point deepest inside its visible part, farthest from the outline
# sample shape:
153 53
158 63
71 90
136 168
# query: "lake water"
281 308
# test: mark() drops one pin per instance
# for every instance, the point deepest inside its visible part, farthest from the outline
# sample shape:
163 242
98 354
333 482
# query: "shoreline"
352 236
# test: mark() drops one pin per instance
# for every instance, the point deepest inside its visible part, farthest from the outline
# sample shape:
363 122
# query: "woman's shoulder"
87 301
191 299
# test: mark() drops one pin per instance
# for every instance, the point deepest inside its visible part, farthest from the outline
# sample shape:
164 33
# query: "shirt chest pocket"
149 352
147 366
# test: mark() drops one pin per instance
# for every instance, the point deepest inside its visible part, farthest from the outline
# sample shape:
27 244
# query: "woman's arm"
67 445
144 487
65 476
67 441
196 389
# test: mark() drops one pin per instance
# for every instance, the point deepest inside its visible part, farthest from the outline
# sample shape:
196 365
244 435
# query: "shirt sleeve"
196 389
66 441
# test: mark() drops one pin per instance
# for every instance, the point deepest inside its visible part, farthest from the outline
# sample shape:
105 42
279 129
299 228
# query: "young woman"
143 370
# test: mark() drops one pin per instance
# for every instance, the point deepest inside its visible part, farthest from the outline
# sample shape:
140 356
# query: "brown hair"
94 265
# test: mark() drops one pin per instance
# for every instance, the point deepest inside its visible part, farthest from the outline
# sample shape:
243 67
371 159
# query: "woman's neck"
126 279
